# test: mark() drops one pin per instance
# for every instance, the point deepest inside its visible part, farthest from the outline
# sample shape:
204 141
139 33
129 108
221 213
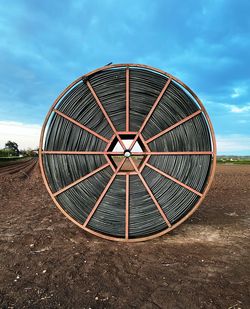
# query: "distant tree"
6 153
29 152
13 147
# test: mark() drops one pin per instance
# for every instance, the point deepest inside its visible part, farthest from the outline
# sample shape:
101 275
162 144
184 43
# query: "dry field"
48 262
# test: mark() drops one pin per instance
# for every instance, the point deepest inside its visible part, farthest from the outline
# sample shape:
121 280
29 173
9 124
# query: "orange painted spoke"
143 163
155 104
81 179
127 132
69 152
109 143
126 173
120 141
110 163
144 143
151 194
81 125
151 111
127 99
115 153
170 153
173 126
105 113
103 193
127 208
173 179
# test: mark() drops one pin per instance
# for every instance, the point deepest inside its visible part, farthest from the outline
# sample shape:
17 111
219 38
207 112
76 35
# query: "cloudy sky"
45 45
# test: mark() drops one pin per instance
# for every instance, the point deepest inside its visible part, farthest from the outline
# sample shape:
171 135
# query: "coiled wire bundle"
136 192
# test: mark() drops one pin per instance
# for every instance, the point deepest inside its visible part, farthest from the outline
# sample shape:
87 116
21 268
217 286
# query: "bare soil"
48 262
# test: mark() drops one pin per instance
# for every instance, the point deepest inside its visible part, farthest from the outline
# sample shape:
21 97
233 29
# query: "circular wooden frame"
147 153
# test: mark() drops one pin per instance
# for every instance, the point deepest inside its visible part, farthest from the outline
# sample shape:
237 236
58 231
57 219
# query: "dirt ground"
48 262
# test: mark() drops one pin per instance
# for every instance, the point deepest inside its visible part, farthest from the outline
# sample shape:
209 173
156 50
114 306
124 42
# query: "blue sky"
45 45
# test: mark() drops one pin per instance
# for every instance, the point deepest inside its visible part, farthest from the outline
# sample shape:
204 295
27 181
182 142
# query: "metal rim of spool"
212 153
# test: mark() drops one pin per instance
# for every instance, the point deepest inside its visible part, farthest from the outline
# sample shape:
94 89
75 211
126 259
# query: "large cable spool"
127 152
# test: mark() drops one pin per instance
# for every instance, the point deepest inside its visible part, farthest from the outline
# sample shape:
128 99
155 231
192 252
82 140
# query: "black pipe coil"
63 169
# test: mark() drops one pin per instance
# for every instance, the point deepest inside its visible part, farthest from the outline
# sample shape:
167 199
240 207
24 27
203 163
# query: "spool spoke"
144 143
171 153
151 194
127 208
173 179
109 143
143 163
69 152
151 111
110 163
103 193
81 179
127 99
81 125
173 126
105 113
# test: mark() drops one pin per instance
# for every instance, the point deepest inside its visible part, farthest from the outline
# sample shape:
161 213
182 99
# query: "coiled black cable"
145 86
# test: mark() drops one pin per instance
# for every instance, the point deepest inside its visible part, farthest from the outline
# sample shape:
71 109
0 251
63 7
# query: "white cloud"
233 143
238 109
238 91
24 134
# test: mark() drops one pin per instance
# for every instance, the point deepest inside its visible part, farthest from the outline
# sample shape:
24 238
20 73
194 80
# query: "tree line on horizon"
11 149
